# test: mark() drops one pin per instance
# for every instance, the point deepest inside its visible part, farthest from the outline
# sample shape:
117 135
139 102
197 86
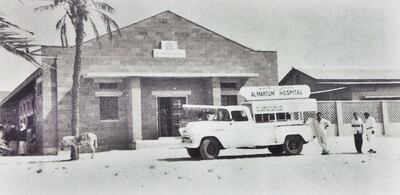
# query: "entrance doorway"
169 115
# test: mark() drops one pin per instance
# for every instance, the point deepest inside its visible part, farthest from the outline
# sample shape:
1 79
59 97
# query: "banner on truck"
277 106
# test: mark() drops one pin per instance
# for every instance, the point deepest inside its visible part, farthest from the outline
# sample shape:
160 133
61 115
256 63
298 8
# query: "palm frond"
45 7
7 24
96 32
23 54
109 23
62 27
12 41
104 7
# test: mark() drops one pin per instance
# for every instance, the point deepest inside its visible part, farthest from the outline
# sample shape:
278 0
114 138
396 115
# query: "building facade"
133 87
347 83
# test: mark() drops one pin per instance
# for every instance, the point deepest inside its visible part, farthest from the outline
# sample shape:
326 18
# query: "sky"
328 33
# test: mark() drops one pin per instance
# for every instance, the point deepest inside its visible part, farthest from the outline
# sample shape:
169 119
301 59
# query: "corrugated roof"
342 73
328 90
359 82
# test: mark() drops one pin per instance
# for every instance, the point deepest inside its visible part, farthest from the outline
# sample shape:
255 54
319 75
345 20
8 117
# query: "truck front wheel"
193 152
209 149
293 145
276 150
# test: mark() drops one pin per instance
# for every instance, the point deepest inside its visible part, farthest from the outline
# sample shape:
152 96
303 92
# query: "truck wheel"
209 149
293 145
193 152
276 150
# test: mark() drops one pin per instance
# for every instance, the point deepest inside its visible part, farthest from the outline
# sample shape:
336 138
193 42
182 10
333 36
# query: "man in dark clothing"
12 139
357 125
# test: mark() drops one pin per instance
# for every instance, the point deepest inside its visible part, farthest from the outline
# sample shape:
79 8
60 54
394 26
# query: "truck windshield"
197 114
222 115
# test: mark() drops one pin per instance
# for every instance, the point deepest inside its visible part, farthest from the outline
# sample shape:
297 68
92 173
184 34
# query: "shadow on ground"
228 157
50 161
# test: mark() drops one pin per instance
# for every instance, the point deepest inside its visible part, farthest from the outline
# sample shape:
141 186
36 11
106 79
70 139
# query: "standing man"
320 129
370 131
357 125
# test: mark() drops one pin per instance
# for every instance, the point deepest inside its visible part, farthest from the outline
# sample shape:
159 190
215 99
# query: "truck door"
242 129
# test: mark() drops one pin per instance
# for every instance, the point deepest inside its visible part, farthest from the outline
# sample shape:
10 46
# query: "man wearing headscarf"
320 130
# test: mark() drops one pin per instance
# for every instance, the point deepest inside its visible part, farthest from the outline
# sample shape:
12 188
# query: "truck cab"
278 124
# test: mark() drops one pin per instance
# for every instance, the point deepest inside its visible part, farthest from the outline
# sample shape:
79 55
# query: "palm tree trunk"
76 83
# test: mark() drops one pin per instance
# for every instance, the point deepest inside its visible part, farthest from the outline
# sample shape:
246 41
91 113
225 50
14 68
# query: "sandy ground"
168 170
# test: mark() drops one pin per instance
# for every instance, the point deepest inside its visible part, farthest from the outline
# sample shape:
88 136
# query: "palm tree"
13 40
79 13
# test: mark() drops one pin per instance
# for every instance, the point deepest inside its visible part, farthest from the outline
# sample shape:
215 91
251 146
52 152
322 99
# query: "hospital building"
133 86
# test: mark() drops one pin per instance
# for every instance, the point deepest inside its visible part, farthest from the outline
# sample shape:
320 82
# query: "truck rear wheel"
209 148
276 150
193 152
293 145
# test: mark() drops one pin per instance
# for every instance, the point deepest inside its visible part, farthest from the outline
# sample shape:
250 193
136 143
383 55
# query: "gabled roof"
28 80
4 94
346 74
171 13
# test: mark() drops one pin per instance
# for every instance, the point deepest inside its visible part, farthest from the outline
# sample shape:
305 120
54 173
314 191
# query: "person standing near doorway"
320 130
370 131
22 150
165 120
357 125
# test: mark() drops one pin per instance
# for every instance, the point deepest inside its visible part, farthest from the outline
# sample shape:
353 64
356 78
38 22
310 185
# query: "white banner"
275 92
276 106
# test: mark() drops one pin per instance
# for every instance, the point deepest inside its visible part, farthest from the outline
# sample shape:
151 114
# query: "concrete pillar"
339 116
135 110
385 117
216 91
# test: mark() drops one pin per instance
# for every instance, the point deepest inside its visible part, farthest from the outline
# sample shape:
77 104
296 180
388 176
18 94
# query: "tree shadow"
228 157
50 161
348 153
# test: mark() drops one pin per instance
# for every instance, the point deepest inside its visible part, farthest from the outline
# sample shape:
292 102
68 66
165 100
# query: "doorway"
170 112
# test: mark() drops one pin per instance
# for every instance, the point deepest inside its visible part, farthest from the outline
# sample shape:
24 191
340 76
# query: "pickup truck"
278 125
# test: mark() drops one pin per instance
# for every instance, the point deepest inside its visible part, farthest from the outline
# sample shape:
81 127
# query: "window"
265 118
228 85
239 115
229 100
108 86
108 108
283 116
222 115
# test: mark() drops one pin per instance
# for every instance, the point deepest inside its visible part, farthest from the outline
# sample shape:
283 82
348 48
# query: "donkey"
84 139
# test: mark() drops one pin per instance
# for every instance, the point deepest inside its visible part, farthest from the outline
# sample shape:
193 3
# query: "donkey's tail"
95 143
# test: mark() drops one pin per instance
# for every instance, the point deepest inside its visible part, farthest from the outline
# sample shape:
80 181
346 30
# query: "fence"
340 113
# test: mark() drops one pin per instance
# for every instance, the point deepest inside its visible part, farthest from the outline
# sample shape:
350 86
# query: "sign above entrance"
169 49
275 92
